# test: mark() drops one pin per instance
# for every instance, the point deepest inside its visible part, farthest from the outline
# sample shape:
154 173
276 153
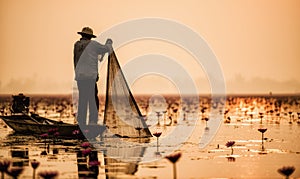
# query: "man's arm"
109 49
75 55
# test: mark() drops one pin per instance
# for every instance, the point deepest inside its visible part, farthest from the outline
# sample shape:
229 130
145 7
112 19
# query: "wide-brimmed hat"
87 31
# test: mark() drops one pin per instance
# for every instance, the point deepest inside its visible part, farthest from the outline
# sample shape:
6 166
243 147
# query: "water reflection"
122 160
87 164
230 159
110 159
20 156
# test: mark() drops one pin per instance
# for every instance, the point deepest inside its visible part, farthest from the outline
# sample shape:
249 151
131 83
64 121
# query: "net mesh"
122 115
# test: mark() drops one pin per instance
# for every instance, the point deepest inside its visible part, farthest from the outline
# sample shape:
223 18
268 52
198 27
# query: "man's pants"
87 100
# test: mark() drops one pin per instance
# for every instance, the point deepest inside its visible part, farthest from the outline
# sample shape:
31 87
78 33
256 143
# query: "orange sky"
256 42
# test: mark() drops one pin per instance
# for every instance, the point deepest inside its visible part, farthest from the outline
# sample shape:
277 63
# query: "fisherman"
86 57
20 104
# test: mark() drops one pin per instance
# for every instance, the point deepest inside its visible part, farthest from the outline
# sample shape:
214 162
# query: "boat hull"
28 125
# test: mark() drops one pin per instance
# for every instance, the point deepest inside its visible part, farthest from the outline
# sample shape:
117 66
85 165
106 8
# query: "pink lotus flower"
174 157
35 164
262 130
230 143
286 171
48 174
157 134
76 132
4 164
85 145
15 171
94 163
86 151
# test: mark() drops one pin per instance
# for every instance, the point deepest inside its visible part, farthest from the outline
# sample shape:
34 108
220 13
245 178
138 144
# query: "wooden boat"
37 125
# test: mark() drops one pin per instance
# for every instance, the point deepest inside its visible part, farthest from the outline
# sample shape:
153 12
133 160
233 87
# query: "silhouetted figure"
20 104
86 57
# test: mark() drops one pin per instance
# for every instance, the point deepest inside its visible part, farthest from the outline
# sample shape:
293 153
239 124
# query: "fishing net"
122 115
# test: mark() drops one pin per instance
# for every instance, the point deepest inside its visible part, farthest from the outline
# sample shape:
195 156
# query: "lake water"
241 117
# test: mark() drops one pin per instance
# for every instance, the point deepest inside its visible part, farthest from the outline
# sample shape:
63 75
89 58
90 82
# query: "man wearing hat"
86 56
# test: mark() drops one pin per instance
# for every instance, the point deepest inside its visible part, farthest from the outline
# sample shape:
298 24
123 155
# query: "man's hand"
108 41
108 44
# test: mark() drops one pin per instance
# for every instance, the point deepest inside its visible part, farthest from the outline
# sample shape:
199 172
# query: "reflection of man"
86 53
